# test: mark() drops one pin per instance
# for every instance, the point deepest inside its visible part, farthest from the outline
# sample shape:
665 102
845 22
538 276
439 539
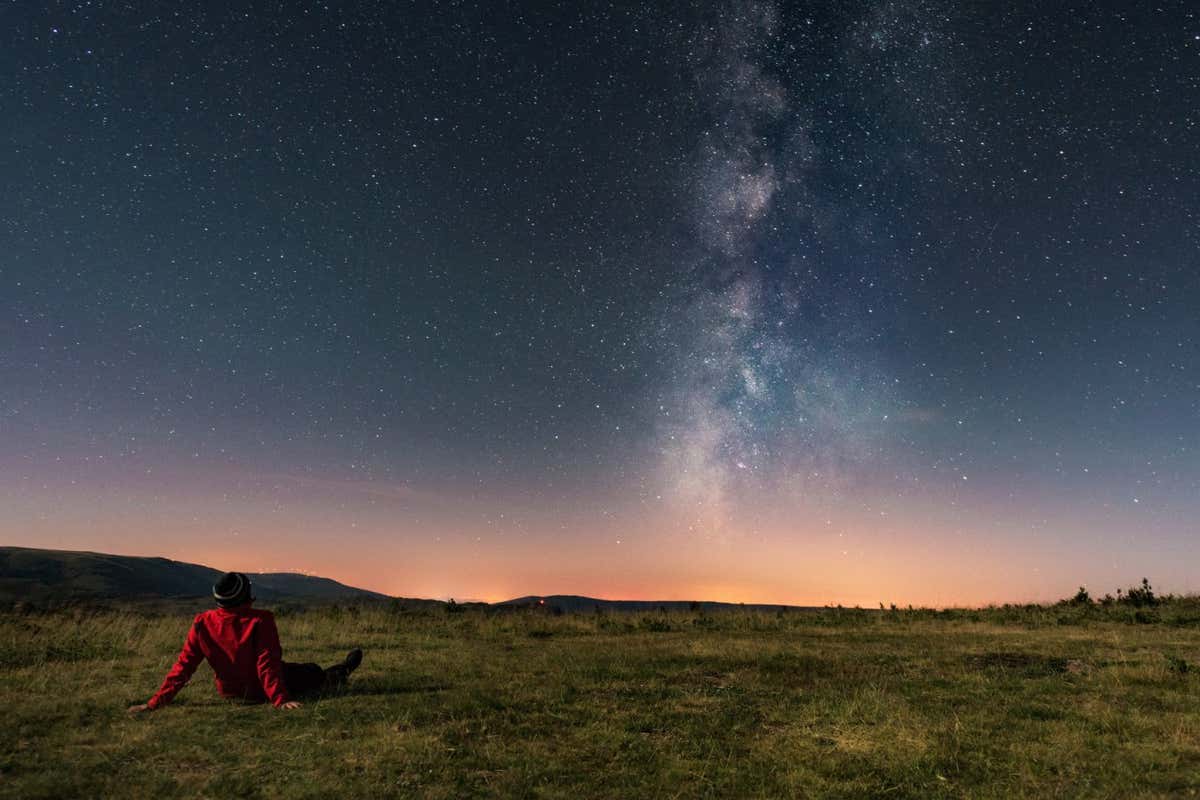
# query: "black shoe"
353 659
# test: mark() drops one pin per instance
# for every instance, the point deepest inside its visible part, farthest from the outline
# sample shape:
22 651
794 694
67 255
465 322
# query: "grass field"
1056 702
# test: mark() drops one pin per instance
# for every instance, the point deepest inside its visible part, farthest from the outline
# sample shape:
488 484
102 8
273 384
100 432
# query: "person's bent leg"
303 679
337 675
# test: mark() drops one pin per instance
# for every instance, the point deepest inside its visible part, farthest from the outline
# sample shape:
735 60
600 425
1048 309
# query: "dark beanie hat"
232 589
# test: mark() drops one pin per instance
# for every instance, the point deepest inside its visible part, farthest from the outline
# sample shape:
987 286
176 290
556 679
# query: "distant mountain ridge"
39 576
571 603
53 577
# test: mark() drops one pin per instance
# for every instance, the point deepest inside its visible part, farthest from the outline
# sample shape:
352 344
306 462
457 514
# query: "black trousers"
308 679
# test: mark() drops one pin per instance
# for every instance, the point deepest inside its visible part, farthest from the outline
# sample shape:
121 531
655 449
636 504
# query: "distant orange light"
541 602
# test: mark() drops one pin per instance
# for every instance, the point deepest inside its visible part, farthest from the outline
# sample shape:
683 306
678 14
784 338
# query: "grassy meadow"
1063 701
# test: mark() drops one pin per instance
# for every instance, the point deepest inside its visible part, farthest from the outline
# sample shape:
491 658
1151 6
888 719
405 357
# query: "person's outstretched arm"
189 658
270 663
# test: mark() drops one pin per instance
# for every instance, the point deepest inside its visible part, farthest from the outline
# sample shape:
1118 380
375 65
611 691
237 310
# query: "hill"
42 577
56 577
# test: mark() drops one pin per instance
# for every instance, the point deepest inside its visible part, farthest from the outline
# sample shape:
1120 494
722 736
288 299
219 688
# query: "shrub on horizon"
1139 596
1081 598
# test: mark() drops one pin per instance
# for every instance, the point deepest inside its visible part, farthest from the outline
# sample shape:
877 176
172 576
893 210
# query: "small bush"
1139 596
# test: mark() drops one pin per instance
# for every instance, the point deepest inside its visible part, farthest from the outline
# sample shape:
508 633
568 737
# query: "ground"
1053 702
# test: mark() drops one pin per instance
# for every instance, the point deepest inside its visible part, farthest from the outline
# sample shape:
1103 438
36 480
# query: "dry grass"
1004 703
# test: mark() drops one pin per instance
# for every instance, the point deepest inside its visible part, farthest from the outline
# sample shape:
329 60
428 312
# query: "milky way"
770 391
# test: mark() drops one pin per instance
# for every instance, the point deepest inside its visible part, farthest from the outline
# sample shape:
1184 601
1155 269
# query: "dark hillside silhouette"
41 577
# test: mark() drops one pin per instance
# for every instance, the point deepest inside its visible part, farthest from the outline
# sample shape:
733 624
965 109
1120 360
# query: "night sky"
809 303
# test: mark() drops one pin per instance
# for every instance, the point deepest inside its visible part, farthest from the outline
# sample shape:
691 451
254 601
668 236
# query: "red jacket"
242 647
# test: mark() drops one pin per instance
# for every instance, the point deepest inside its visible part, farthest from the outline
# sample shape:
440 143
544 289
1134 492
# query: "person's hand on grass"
140 708
290 705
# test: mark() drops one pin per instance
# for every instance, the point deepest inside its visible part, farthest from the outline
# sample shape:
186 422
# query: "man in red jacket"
241 644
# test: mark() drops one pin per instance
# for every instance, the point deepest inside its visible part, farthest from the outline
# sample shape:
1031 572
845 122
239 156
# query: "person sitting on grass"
242 646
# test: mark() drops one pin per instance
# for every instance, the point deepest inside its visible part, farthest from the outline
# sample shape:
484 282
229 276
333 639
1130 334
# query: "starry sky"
834 302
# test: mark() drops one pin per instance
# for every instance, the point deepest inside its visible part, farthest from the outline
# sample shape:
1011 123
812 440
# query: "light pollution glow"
936 549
